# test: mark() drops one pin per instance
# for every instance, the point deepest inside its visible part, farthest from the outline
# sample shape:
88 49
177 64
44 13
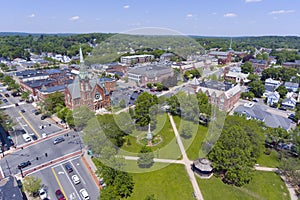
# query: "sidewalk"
91 168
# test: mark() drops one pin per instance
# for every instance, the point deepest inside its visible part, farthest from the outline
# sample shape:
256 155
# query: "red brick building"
225 100
85 91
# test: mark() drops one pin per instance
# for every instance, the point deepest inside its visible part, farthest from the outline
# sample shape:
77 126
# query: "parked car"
59 195
84 194
26 137
58 140
6 95
43 194
4 100
24 164
16 104
22 111
69 168
43 117
75 179
33 136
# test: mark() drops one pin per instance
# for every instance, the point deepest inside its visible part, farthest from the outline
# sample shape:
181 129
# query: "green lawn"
171 182
264 185
271 160
168 148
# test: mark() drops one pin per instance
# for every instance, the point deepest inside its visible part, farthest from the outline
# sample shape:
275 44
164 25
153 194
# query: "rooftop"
9 189
150 71
260 113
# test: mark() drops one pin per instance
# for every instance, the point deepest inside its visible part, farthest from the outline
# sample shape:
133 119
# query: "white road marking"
66 161
70 182
61 172
78 173
1 171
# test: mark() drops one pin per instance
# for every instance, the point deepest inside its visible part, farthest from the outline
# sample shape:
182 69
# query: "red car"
59 195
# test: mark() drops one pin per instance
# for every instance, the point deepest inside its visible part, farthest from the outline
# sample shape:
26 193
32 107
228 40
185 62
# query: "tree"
253 77
159 87
247 68
55 99
233 156
282 91
81 116
186 131
122 103
119 184
25 95
143 104
149 85
32 184
257 88
146 157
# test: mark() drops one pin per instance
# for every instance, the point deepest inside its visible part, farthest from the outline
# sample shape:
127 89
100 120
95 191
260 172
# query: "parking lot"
58 178
26 120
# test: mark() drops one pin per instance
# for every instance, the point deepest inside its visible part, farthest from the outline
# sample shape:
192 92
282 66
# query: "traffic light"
46 154
37 158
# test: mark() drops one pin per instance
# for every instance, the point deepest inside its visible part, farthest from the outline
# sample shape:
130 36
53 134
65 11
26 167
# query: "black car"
69 168
43 117
58 140
24 164
7 95
33 136
22 110
16 104
4 100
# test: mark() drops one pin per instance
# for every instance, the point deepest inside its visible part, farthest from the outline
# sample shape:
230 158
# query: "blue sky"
197 17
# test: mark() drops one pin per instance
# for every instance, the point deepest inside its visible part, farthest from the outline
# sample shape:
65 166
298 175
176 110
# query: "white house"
289 103
273 98
271 85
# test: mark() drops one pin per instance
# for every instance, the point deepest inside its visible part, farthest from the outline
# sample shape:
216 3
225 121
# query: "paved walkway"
186 161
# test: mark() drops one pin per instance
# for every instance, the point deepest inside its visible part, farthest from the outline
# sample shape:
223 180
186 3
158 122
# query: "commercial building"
149 74
136 59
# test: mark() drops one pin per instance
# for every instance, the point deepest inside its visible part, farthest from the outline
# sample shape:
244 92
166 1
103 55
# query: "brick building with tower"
86 91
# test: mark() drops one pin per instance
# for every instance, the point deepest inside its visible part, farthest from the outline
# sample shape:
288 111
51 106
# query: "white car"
43 193
84 194
75 179
26 137
44 135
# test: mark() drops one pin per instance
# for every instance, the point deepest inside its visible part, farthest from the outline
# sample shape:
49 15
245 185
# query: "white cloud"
32 15
74 18
126 6
252 1
230 15
189 15
277 12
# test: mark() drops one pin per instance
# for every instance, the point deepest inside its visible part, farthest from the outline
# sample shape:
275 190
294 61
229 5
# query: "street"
36 153
56 177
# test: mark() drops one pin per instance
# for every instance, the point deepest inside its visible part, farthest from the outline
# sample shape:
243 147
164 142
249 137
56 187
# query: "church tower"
85 87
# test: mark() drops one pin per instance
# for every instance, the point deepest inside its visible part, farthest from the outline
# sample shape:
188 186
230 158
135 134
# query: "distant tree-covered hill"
13 44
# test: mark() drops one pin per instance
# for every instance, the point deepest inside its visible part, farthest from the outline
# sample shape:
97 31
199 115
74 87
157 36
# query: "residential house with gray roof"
254 111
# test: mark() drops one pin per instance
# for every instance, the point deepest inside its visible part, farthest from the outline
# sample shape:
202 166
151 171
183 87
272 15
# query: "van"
26 137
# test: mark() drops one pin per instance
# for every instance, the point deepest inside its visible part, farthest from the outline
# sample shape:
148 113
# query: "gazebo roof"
203 164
